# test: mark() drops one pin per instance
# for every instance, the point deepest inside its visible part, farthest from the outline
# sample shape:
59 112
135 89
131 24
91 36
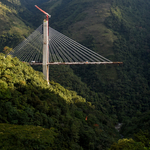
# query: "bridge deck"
75 63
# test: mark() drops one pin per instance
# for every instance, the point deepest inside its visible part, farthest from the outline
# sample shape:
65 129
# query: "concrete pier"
45 50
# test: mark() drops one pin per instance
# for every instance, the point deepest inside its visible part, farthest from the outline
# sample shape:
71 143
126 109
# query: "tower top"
47 15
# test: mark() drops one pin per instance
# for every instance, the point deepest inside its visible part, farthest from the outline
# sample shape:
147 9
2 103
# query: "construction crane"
47 15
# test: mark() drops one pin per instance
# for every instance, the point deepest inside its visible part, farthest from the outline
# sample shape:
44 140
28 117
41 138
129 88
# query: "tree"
127 144
7 50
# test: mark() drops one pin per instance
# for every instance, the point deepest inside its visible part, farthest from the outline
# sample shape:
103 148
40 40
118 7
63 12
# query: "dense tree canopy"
27 99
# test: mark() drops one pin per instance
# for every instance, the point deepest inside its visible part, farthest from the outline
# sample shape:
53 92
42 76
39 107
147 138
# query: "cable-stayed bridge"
46 46
62 50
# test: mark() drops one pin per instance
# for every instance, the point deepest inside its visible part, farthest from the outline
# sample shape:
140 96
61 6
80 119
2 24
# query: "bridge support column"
46 72
45 50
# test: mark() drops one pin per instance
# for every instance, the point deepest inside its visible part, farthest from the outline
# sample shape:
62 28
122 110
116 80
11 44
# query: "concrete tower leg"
45 50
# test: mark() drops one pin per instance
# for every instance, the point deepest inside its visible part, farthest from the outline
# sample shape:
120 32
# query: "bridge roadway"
75 63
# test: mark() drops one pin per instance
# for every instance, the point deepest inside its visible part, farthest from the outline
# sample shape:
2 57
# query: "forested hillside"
118 30
13 28
66 120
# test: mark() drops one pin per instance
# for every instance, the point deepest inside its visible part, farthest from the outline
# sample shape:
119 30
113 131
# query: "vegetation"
7 50
26 137
128 144
141 142
13 28
139 122
26 99
118 30
122 90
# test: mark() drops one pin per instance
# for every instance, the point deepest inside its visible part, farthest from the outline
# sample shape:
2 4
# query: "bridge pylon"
45 44
46 49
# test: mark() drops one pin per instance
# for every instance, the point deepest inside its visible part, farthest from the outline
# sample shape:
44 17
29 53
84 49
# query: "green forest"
82 105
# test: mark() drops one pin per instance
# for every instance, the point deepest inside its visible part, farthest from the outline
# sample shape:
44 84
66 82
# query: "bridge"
46 46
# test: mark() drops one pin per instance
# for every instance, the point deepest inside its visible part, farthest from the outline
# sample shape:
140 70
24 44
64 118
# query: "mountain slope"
83 20
31 137
80 78
13 27
119 30
27 99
